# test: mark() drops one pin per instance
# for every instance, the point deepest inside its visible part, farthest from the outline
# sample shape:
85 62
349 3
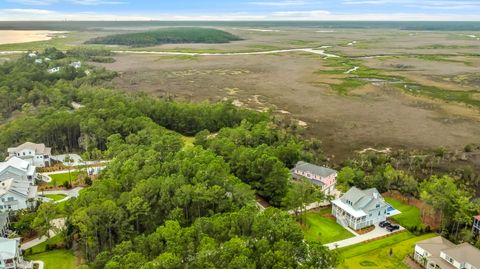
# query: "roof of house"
465 253
19 164
20 187
8 248
40 149
358 202
363 199
314 169
435 245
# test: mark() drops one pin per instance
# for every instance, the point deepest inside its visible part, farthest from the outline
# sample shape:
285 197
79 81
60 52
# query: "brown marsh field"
398 97
387 87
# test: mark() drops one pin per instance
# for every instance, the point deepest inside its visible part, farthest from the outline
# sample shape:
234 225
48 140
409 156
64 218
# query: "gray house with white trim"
358 208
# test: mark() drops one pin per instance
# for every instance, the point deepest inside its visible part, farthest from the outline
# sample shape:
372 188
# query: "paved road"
376 233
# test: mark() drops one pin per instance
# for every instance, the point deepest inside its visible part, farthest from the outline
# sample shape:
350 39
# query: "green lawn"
323 229
55 197
42 247
59 179
410 215
376 254
56 259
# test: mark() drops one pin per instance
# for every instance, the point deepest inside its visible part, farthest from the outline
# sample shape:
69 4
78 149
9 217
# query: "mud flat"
15 37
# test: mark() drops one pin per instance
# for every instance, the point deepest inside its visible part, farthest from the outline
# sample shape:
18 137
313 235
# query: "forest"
160 203
178 35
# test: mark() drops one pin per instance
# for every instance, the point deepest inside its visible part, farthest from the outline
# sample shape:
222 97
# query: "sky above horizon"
438 10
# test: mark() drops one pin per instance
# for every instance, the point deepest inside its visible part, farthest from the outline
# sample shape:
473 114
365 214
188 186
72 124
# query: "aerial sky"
240 10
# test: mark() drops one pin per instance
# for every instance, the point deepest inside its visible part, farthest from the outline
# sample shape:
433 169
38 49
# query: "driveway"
70 193
376 233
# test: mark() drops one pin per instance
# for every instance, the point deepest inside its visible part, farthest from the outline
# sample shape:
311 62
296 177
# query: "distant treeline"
178 35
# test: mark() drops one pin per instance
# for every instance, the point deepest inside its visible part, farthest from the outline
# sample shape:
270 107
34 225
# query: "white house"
18 169
439 253
37 154
54 70
38 61
324 177
11 255
358 208
16 194
76 65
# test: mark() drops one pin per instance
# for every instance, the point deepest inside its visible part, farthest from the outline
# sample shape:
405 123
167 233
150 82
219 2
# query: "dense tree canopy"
159 203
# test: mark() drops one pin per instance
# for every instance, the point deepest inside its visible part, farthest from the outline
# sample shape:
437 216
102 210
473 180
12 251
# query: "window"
379 213
10 199
23 153
377 206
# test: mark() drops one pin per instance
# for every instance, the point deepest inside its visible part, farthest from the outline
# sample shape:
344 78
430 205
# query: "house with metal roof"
16 194
18 169
11 255
324 177
358 208
439 253
37 154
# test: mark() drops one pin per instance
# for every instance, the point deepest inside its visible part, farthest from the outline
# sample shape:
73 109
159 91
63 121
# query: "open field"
376 254
320 228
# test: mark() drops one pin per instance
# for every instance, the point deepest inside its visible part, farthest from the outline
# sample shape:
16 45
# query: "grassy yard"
410 215
42 247
56 259
55 197
59 179
376 254
322 229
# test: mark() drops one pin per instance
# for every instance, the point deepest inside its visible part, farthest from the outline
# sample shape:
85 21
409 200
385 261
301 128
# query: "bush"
67 185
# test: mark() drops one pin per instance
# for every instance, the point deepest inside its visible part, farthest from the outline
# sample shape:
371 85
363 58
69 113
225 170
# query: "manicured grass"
410 216
59 179
323 229
56 259
55 197
42 247
376 254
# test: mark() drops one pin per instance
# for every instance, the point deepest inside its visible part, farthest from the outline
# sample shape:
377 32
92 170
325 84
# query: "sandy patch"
13 36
